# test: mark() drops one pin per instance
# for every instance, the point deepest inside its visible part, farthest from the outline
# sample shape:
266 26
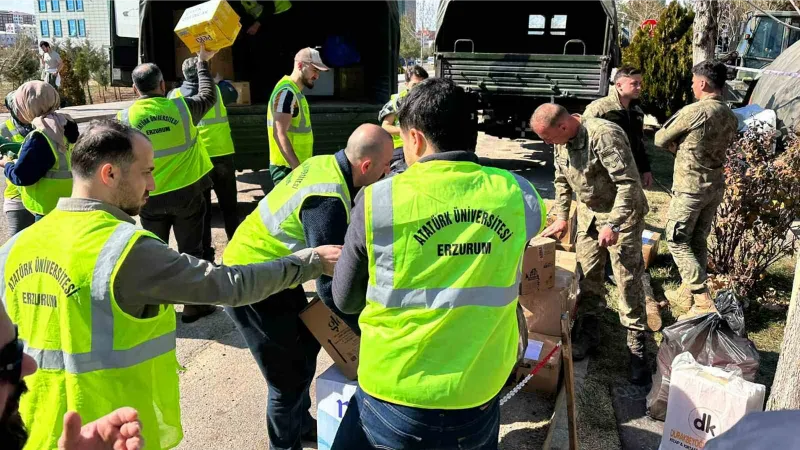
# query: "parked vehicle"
343 98
514 56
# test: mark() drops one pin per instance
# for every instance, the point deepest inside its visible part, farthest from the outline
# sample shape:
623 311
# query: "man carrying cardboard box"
309 206
433 260
593 159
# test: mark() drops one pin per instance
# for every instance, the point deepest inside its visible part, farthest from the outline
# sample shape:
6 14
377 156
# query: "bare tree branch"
773 17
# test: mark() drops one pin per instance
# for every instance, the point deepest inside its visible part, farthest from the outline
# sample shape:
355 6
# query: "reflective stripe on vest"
304 127
102 355
42 196
10 132
213 116
383 237
187 130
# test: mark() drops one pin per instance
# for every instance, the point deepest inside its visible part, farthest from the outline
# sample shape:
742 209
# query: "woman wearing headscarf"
42 170
14 131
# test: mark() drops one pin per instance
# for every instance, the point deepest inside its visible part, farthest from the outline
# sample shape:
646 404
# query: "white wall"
95 13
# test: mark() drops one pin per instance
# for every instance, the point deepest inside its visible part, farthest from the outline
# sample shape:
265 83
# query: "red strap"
545 359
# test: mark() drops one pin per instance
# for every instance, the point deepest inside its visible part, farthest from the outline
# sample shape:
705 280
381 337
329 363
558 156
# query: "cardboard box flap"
338 339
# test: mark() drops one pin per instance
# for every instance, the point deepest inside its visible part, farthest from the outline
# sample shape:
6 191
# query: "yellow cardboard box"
213 23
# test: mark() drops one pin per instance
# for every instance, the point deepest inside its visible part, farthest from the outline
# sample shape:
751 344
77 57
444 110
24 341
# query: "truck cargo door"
124 18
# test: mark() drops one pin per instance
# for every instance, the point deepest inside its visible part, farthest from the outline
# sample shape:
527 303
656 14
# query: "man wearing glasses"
291 140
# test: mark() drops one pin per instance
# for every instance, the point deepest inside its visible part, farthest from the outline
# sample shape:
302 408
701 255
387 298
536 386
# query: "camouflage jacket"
598 167
702 131
630 119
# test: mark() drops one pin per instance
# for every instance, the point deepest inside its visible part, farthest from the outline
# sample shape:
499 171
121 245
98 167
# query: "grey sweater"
154 274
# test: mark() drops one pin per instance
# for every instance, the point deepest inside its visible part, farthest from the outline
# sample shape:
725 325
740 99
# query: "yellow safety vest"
439 330
214 130
254 9
42 196
179 159
9 131
274 229
93 358
300 134
397 139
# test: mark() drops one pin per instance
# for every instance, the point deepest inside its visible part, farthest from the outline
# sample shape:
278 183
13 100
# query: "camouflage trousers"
627 265
688 225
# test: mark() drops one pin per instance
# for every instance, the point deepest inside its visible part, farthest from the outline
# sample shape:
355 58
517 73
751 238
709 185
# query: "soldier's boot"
681 297
586 338
703 304
653 314
640 372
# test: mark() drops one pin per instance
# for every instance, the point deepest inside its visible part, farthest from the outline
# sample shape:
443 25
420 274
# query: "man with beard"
291 140
92 294
119 430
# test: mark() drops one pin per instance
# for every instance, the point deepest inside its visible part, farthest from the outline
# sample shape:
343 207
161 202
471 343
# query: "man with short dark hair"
388 116
214 132
432 263
593 160
699 135
621 106
51 63
92 294
181 163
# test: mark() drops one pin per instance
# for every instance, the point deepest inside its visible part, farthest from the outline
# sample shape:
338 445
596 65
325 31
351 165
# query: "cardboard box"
704 402
538 266
213 23
336 337
542 310
650 240
334 391
243 88
221 64
350 83
567 242
546 379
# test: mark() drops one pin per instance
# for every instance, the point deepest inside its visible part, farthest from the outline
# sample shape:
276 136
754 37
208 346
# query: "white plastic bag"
704 402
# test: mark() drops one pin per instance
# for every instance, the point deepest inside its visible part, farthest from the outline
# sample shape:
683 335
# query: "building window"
45 28
70 5
73 29
81 28
79 4
558 25
54 6
42 5
535 25
56 28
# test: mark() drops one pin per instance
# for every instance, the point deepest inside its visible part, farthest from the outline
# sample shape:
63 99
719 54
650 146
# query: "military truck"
345 97
762 41
514 56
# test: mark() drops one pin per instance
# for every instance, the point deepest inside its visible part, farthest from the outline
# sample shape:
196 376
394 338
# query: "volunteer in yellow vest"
308 208
432 261
14 131
182 165
267 27
92 294
291 140
41 170
388 116
119 429
214 133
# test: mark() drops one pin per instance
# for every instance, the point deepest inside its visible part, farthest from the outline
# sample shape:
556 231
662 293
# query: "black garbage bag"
715 339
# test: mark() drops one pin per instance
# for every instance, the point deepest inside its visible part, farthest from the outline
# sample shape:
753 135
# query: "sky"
17 5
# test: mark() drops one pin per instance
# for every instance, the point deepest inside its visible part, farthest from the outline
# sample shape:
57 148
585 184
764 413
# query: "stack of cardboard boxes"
544 297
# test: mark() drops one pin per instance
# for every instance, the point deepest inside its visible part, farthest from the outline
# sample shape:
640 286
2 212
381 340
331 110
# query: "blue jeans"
373 423
286 353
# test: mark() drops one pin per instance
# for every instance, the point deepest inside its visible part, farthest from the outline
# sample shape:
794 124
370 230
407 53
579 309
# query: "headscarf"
36 102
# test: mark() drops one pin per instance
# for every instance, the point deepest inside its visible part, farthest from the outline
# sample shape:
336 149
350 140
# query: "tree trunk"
785 394
704 36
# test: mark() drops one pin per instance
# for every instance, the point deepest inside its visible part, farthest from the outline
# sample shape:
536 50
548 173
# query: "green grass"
765 317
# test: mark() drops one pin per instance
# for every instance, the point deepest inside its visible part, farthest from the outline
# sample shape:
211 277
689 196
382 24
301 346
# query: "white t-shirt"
51 61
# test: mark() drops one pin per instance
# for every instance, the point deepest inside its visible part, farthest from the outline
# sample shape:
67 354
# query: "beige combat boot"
681 297
703 304
653 314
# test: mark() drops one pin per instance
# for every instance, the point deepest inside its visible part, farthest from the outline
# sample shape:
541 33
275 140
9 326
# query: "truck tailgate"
558 76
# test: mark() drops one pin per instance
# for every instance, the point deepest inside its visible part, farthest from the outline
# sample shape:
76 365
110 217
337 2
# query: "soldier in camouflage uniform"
699 135
593 160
